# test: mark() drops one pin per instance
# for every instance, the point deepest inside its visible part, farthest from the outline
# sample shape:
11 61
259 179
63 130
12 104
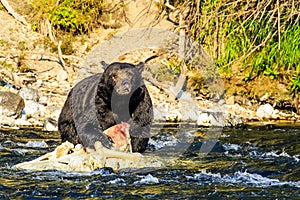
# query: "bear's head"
124 78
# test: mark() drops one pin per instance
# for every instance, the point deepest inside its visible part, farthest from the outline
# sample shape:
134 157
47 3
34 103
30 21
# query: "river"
260 161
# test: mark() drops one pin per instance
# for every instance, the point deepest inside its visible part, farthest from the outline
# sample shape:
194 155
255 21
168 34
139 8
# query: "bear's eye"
114 76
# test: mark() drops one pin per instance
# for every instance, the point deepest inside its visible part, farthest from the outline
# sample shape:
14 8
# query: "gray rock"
158 116
233 120
43 100
189 107
190 115
33 108
161 111
7 121
62 76
189 110
173 116
50 125
219 119
11 105
265 111
29 94
31 99
35 122
203 120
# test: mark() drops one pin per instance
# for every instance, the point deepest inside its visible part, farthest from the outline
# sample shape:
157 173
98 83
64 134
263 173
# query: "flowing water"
257 161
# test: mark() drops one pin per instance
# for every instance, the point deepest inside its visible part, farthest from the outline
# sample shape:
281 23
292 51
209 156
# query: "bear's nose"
125 82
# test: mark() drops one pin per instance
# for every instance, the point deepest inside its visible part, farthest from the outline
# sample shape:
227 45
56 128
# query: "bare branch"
61 60
11 11
17 53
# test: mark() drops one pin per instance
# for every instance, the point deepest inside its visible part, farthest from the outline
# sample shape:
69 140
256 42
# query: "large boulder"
31 99
265 111
11 104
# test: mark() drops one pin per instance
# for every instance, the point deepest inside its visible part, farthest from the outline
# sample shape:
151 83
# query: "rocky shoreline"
31 107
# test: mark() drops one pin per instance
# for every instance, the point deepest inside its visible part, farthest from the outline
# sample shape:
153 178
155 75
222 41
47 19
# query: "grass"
249 38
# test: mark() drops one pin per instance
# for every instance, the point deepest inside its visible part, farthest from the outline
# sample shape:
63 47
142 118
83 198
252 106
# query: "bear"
106 99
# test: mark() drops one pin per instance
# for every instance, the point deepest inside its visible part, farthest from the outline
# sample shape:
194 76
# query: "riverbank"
42 79
38 106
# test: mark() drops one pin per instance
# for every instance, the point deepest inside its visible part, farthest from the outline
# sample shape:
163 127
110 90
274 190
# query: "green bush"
68 15
76 16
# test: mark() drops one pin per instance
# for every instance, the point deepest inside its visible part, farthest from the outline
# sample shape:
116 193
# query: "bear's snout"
124 87
125 83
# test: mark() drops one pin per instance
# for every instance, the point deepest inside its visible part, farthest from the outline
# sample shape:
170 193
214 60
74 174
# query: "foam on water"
273 154
34 144
162 142
234 150
234 147
243 178
116 181
149 179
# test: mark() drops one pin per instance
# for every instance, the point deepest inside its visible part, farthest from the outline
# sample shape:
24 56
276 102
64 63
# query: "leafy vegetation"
68 15
255 38
2 42
6 65
64 19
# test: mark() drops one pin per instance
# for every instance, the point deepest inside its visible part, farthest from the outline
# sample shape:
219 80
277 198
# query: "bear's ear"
104 64
140 67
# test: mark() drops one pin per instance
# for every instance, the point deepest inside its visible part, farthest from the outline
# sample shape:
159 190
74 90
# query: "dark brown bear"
104 100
